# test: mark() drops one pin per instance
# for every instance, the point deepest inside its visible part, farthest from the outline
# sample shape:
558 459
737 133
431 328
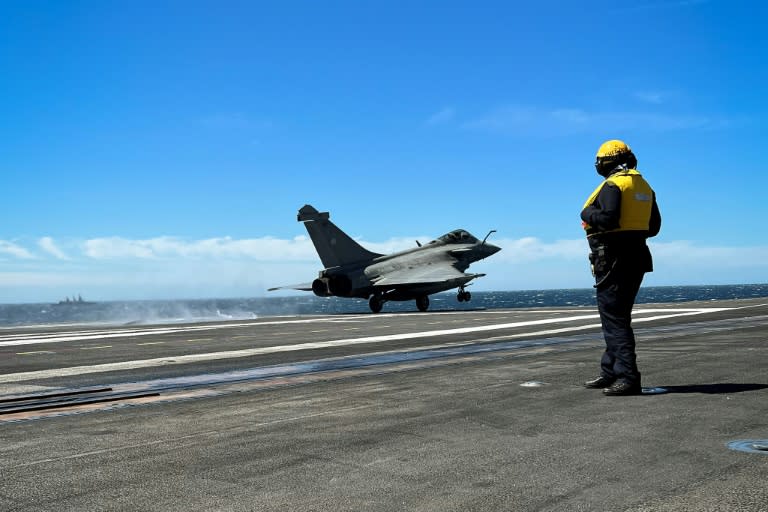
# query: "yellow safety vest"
636 201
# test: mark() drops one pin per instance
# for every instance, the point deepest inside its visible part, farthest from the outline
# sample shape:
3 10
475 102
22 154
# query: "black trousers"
615 297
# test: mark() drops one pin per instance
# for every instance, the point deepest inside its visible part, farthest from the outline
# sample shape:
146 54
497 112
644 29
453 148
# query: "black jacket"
628 246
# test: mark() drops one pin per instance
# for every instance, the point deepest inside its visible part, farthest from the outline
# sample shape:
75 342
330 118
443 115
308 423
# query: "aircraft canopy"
457 236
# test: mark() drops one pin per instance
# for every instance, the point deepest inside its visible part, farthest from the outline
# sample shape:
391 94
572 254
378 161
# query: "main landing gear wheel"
376 303
422 303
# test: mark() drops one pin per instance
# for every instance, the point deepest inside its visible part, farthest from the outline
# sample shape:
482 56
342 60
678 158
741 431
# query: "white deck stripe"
233 354
9 340
58 337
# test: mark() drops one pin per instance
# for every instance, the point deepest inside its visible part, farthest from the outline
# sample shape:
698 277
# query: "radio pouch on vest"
602 262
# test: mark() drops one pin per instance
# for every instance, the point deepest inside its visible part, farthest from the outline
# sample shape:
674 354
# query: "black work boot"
623 388
600 382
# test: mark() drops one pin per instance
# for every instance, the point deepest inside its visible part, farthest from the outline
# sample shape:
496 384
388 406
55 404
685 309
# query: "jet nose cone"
490 249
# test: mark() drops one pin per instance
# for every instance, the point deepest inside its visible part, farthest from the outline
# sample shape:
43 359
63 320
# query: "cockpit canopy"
457 236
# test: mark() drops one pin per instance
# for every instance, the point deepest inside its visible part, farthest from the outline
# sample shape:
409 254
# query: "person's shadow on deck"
715 389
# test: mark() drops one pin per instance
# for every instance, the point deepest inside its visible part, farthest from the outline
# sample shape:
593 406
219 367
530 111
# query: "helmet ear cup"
605 164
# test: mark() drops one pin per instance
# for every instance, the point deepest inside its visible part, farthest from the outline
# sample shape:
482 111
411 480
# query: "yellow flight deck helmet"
612 154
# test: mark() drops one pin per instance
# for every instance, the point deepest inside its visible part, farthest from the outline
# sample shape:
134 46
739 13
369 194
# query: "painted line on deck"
18 339
58 337
234 354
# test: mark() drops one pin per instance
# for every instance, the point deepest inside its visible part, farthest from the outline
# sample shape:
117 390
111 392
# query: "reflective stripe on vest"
636 201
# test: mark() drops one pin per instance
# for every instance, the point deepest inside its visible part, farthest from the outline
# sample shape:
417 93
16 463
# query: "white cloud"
653 97
530 249
171 267
48 245
685 254
46 279
15 250
115 247
258 249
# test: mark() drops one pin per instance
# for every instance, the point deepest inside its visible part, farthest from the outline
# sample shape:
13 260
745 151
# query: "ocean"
202 310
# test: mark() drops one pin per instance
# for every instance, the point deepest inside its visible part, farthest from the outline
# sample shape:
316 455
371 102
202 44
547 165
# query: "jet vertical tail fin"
334 246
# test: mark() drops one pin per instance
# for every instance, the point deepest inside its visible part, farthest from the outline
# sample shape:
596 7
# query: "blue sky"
162 149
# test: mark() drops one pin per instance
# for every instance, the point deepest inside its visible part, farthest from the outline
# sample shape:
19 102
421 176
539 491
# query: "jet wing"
424 275
304 287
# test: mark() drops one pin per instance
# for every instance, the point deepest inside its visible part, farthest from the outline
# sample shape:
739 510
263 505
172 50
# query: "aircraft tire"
422 303
375 304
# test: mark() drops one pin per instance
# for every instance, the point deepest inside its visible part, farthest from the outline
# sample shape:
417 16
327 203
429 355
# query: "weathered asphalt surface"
510 429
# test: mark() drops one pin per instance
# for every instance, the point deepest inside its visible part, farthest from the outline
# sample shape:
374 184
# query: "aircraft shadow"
715 389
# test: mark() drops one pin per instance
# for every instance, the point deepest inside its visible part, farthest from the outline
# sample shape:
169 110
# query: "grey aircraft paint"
413 274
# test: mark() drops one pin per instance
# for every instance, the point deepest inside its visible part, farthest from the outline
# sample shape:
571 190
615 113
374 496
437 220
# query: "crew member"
618 218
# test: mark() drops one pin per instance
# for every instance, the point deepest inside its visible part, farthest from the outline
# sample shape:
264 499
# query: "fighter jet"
413 274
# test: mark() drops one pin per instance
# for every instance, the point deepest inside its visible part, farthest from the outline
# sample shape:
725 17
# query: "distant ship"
74 302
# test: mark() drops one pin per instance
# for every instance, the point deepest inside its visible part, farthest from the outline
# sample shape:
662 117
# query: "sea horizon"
173 311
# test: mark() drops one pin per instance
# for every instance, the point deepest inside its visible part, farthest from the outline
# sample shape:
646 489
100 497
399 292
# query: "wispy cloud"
300 249
234 121
661 4
48 245
523 120
444 116
652 97
15 250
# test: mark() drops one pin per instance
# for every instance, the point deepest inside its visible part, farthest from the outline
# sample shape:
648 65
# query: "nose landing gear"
463 295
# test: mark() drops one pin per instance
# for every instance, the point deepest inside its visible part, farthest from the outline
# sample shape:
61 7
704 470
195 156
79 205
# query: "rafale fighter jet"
413 274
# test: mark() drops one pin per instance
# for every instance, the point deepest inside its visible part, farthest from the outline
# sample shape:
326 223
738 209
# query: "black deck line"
108 398
56 394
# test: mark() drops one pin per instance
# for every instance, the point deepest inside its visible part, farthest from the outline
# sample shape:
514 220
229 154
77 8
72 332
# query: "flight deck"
450 410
